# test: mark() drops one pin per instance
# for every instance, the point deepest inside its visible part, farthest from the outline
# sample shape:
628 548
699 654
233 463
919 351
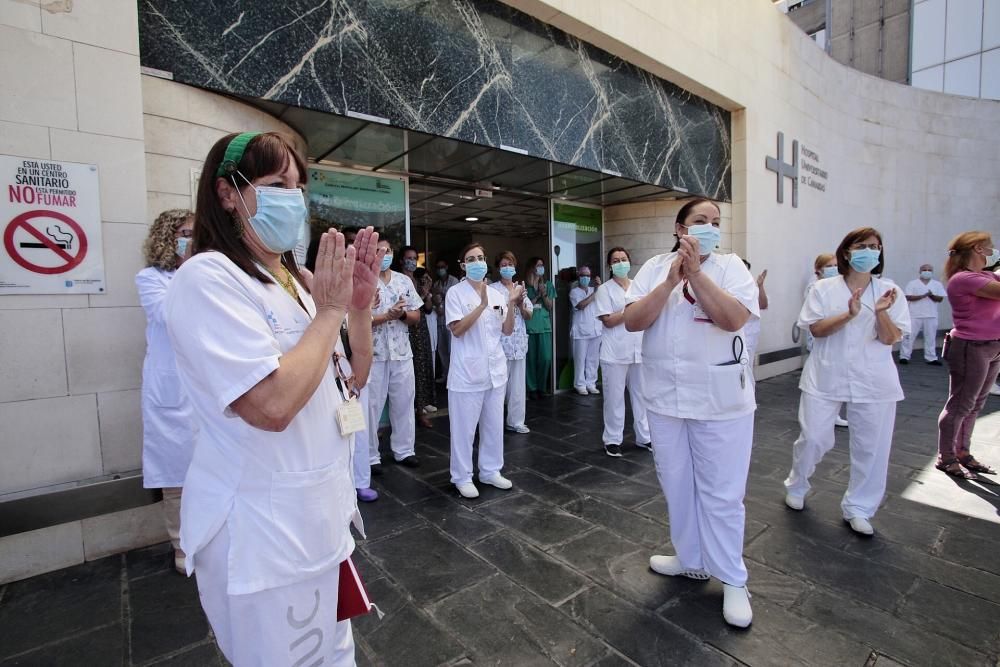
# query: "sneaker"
934 362
430 409
520 428
410 461
468 490
670 566
582 391
736 606
648 446
498 481
368 495
593 390
839 421
795 502
613 450
860 525
903 362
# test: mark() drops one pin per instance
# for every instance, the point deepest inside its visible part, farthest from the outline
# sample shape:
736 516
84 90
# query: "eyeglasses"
866 246
477 258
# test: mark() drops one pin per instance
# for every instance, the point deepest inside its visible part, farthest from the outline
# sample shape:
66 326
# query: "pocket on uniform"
726 392
309 510
164 388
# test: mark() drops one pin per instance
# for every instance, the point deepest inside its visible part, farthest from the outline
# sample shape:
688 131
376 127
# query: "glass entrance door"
577 239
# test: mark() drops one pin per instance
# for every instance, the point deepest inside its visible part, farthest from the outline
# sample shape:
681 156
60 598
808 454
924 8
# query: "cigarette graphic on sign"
62 238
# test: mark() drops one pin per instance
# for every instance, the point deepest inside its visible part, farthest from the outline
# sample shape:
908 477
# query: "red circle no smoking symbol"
60 244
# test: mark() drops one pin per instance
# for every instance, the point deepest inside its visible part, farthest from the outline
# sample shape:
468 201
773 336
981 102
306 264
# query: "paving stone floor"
555 571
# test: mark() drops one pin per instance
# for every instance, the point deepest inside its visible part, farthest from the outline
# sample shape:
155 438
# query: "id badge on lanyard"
350 416
699 313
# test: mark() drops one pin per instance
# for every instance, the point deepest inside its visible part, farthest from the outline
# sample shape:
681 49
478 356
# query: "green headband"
234 153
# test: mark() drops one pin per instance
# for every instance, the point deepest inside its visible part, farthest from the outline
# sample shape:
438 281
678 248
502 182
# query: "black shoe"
936 362
410 461
377 469
903 362
613 450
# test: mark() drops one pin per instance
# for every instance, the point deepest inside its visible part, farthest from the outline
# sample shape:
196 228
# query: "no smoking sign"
46 242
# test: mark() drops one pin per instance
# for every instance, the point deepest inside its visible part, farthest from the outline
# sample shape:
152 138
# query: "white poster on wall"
50 223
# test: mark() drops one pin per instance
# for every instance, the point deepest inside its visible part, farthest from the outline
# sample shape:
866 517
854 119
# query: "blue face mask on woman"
182 246
475 270
830 271
540 270
507 272
584 281
386 262
865 259
708 237
280 217
621 269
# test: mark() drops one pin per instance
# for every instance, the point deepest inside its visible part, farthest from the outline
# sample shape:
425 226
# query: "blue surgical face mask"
621 269
475 270
708 237
830 271
926 275
507 272
540 269
410 264
865 259
386 261
182 246
280 217
584 281
443 272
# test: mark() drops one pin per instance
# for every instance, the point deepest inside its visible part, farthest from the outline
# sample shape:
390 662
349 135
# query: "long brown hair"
856 236
960 251
215 228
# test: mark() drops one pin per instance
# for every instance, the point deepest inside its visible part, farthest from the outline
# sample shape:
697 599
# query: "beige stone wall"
919 166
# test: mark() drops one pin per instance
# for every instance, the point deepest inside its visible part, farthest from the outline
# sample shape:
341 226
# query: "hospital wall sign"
805 169
50 226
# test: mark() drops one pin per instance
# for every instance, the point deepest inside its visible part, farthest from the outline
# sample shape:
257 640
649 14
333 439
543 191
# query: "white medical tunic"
686 360
618 345
852 365
478 362
924 307
585 322
286 498
168 423
391 340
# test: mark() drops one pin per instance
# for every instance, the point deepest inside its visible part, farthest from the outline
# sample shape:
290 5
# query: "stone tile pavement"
555 571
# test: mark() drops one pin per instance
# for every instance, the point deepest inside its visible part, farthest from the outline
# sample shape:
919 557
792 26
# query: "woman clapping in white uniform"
477 316
585 332
855 319
515 346
621 358
692 305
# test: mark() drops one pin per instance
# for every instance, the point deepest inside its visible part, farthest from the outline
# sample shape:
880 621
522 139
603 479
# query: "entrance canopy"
451 180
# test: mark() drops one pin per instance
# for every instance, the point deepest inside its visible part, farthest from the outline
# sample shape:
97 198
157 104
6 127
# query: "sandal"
972 464
955 469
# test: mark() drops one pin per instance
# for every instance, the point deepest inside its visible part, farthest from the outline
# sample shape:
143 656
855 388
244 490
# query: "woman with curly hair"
167 421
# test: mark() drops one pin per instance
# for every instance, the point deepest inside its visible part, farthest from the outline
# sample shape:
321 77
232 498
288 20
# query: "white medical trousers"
870 442
466 411
928 327
702 467
393 380
294 624
616 377
362 465
516 390
586 355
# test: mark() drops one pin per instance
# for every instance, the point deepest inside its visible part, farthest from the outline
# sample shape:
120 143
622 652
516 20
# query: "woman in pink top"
972 348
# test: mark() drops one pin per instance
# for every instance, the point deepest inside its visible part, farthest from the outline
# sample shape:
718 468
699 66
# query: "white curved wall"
919 166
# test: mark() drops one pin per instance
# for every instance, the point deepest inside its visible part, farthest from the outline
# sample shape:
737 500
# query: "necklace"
288 284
